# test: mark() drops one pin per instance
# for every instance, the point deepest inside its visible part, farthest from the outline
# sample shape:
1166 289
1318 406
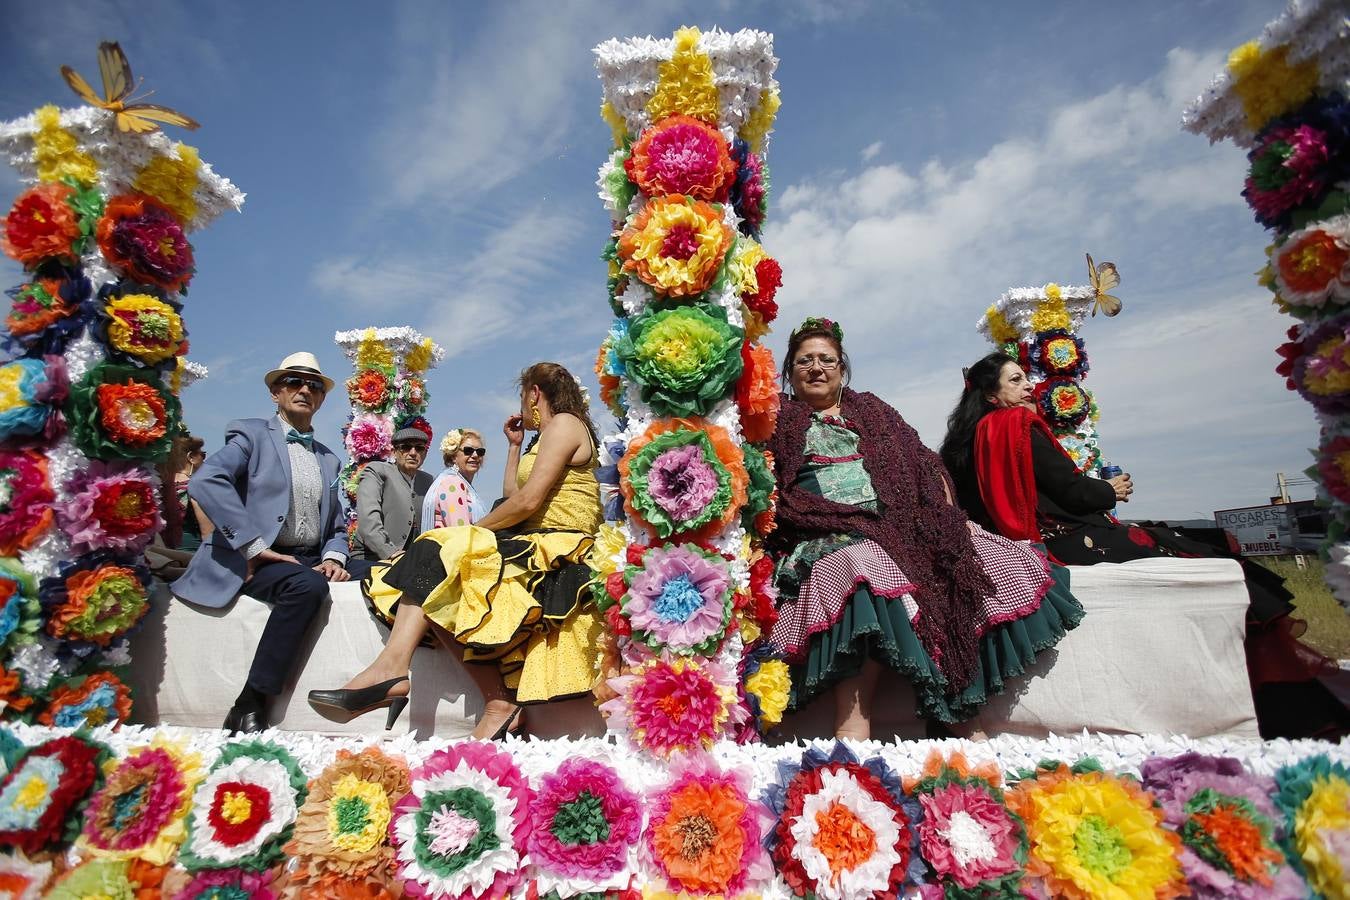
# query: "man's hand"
266 558
333 571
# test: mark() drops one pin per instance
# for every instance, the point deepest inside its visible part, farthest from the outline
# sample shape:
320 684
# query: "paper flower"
49 222
750 193
616 189
768 687
1321 369
141 809
585 821
757 395
462 830
30 391
975 846
142 328
1063 402
1059 353
25 500
43 791
704 835
46 310
111 509
371 390
679 599
761 492
230 884
244 810
1297 159
20 612
118 879
842 829
99 699
410 396
683 360
23 878
422 356
1333 466
370 437
95 599
667 706
675 245
1227 824
681 155
145 241
1267 83
1312 267
1093 835
1314 796
341 831
683 476
120 412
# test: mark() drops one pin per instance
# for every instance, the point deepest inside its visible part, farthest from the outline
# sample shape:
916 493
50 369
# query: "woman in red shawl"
1013 477
877 567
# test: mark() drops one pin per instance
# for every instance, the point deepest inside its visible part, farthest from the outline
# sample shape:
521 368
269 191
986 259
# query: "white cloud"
871 150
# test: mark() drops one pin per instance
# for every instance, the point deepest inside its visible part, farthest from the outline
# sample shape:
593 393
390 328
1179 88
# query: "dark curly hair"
560 388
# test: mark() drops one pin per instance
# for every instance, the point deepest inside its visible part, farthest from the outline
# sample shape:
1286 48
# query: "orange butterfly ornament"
117 86
1104 278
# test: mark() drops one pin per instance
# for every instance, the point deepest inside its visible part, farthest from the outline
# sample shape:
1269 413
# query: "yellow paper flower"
999 329
145 327
741 266
675 246
1325 812
358 814
57 154
1267 84
419 357
607 552
616 124
754 131
371 353
771 683
1052 313
685 82
173 181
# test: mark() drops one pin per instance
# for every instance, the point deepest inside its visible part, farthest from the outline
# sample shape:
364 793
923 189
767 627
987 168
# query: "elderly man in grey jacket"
389 499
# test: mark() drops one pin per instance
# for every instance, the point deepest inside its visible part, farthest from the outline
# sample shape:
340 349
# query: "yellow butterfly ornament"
1104 278
117 86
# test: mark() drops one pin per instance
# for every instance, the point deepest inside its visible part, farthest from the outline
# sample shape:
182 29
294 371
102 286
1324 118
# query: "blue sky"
432 164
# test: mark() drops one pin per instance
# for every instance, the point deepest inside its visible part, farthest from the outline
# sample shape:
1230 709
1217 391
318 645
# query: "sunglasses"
421 448
473 451
298 381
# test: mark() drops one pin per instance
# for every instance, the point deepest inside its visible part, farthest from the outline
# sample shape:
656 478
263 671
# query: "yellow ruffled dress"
517 597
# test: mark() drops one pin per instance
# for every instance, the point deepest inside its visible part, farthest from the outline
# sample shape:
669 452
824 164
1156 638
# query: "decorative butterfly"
1104 277
117 85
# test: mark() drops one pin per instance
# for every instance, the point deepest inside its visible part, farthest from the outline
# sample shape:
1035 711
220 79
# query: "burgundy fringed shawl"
926 535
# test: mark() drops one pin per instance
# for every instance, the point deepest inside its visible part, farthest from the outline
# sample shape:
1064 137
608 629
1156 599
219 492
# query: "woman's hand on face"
1122 485
514 429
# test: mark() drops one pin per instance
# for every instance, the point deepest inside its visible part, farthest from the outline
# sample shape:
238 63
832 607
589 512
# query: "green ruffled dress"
842 599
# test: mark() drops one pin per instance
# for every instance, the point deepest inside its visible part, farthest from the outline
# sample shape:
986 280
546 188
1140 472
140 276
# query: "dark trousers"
295 592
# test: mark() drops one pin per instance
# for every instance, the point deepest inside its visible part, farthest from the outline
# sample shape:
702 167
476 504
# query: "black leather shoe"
242 719
345 705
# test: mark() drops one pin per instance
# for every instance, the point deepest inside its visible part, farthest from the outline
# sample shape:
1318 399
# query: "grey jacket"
386 511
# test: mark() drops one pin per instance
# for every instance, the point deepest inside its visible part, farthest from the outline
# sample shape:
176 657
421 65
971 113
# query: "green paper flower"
760 489
122 412
684 360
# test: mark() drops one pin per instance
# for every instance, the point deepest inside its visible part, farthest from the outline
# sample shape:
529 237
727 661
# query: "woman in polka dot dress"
452 499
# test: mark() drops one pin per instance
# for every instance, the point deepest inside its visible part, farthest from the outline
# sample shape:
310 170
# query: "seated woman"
508 596
1013 477
877 566
452 500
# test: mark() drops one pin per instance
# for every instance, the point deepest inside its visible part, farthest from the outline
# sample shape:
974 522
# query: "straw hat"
302 363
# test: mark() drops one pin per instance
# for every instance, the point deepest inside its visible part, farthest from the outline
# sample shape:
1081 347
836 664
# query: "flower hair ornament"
450 443
965 376
815 323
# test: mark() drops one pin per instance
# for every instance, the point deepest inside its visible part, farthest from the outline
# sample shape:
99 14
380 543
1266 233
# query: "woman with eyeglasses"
508 595
452 499
876 566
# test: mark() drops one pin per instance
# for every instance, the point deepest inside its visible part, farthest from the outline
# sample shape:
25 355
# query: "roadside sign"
1259 530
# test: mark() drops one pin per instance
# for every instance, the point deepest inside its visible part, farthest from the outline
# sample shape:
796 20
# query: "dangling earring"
534 417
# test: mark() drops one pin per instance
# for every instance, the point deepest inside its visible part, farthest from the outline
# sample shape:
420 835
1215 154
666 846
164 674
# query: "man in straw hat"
271 493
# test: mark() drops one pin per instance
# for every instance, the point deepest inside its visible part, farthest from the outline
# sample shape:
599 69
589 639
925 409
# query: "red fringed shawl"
1004 470
920 529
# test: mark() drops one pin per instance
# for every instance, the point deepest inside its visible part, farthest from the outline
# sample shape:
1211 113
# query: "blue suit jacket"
245 490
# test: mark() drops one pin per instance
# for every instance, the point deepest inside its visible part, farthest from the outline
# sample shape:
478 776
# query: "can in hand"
1111 472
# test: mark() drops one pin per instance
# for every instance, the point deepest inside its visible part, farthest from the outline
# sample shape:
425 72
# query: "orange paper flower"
727 453
757 393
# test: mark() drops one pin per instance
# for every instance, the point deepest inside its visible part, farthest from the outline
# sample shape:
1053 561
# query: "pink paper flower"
370 437
967 835
681 599
681 481
111 509
666 706
585 819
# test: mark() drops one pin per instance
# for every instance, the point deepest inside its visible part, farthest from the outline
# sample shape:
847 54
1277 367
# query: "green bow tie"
296 437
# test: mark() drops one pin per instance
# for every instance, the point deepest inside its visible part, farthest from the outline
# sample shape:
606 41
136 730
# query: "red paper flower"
769 275
132 413
25 500
145 240
42 789
41 225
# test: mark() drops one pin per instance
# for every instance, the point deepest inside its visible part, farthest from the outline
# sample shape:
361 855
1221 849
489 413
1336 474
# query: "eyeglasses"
298 381
825 362
403 448
474 451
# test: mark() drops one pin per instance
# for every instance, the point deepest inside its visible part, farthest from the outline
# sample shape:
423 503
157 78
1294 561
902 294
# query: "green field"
1328 623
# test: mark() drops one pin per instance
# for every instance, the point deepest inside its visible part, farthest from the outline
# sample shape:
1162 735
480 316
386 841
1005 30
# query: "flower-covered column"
94 347
1039 327
686 591
387 392
1286 97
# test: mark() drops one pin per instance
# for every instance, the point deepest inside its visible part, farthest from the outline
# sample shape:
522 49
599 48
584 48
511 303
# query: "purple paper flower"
681 600
681 482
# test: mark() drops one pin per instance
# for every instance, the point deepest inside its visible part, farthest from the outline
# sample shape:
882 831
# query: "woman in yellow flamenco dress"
509 591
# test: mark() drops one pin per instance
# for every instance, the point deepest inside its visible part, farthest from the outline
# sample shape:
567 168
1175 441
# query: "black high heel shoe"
354 702
501 733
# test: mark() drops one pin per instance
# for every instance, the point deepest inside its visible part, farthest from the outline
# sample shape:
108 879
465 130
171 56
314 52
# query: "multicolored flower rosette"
20 612
244 810
755 278
1229 827
1314 797
341 840
678 599
1320 368
683 477
676 245
1095 834
42 794
24 878
586 826
683 360
705 832
219 884
845 829
1310 268
462 830
121 412
1300 163
26 496
669 706
51 222
31 393
93 700
111 507
47 310
94 600
145 242
1059 353
122 879
1063 402
141 810
141 327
